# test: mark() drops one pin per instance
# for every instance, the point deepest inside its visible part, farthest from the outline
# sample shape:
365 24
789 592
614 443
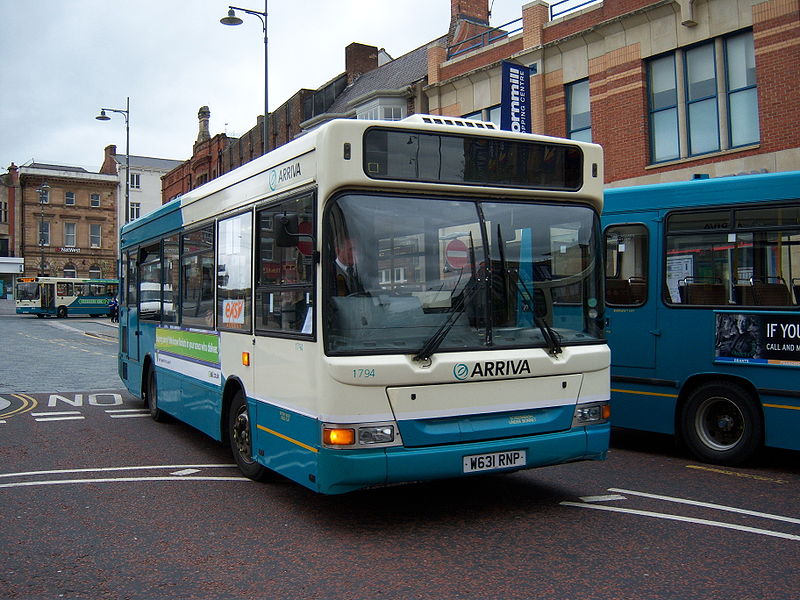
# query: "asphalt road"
99 501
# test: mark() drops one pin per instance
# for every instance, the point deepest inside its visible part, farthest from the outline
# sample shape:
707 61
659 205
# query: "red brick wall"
776 37
619 111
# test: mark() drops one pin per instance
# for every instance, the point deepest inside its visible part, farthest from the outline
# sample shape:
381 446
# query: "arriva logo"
273 179
492 368
461 371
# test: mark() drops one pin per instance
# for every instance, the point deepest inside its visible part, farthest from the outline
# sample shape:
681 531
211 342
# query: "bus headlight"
591 414
356 435
383 434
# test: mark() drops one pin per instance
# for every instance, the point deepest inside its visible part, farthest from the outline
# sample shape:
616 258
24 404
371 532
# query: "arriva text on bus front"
283 175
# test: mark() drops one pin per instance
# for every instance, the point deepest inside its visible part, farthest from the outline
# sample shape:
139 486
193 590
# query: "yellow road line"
28 403
288 439
736 474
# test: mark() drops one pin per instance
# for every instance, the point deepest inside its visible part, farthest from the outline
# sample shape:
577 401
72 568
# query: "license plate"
494 460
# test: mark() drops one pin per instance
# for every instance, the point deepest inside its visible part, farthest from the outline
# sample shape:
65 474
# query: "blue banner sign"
515 101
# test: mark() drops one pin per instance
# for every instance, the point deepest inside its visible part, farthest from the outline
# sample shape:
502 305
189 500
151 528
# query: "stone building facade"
67 227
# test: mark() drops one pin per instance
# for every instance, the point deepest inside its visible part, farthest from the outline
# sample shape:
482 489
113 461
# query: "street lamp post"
43 198
232 19
125 113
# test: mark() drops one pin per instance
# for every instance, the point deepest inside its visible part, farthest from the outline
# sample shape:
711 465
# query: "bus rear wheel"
151 396
62 312
241 439
721 424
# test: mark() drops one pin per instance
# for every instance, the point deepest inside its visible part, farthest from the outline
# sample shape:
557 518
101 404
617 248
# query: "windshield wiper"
433 343
550 336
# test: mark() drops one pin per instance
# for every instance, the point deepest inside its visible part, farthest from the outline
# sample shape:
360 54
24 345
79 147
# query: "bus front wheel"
722 424
62 312
151 396
241 439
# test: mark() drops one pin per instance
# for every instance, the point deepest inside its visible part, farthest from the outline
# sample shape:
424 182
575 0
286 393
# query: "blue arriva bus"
703 312
379 302
64 296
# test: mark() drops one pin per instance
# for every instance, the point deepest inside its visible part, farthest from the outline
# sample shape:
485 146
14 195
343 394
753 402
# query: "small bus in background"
703 312
379 302
64 296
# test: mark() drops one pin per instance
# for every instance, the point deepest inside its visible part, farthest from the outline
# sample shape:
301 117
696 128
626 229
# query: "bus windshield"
27 290
421 275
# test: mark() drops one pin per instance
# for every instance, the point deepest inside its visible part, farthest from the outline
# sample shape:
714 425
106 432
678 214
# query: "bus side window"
626 265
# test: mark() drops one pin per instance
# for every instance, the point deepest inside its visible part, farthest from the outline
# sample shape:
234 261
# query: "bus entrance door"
131 324
48 297
631 299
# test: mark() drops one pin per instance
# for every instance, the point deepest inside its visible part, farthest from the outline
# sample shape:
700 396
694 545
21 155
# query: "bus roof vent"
453 121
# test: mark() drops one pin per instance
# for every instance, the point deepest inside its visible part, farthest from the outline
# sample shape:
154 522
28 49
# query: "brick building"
670 88
70 229
213 156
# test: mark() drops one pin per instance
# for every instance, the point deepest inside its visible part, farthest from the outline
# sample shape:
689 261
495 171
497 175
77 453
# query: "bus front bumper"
341 471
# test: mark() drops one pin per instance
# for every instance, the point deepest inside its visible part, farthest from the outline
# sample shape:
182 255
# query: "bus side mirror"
286 231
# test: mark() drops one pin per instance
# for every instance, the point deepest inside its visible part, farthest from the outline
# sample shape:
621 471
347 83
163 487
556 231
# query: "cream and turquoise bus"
64 296
379 302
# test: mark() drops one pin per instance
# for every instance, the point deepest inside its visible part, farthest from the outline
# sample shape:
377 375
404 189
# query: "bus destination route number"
494 460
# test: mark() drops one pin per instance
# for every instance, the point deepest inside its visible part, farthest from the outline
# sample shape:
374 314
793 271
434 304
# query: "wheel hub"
241 434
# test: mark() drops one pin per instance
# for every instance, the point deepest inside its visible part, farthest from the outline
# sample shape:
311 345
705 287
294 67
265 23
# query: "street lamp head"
103 116
231 19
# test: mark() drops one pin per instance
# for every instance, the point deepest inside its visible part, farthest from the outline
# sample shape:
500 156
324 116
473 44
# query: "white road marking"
668 517
109 469
732 509
606 498
185 472
117 480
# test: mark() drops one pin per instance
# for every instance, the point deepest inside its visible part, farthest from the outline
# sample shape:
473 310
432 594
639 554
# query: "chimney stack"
203 115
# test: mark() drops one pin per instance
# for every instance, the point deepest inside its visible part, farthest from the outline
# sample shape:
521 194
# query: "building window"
94 200
579 117
69 235
69 198
701 99
70 271
663 94
383 109
136 181
709 104
135 211
95 272
3 211
741 91
44 233
95 235
491 115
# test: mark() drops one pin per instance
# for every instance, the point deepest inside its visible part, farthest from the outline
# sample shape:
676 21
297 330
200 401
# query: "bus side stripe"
782 406
644 393
287 438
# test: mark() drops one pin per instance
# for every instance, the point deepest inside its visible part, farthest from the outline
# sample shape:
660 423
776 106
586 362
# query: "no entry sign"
456 254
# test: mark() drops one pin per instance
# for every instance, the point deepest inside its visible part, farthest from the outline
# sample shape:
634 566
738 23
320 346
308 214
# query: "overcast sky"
62 60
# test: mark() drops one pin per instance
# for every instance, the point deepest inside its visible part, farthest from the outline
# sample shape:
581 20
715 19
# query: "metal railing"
485 38
562 7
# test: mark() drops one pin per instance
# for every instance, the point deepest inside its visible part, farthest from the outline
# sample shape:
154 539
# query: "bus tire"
62 312
241 439
722 424
151 396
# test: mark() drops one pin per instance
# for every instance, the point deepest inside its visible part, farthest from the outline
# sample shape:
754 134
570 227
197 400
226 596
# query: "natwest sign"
69 250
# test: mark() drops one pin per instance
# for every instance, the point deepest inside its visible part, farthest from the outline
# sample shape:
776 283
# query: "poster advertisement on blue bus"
758 338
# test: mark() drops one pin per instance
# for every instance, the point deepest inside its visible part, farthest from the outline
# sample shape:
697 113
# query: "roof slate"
394 75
